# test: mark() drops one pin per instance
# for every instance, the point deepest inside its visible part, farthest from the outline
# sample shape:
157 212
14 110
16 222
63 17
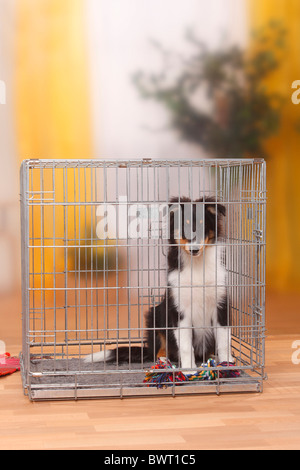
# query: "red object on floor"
8 364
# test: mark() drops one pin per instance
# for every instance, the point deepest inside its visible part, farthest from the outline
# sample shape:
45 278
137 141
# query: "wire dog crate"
95 260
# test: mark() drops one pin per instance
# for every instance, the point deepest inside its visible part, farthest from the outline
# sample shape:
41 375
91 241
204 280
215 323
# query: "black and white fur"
191 322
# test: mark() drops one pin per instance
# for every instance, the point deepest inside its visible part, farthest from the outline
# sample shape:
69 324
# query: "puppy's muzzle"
194 249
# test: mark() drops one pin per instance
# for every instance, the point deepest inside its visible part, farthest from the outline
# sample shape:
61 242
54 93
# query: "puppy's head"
195 224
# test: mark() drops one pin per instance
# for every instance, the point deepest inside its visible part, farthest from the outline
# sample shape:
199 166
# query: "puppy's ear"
174 212
177 205
212 208
174 207
221 209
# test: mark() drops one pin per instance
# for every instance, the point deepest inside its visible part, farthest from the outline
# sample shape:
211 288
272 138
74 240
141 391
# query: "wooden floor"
270 420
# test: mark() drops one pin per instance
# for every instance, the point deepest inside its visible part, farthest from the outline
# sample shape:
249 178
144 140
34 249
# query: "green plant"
219 99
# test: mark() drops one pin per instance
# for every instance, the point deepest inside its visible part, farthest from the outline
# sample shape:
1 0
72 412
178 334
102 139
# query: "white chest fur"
199 287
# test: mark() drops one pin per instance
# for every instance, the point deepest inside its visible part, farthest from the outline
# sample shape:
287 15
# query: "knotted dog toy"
162 374
163 379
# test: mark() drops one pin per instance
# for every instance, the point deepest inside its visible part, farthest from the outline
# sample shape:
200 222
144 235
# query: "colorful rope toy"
207 374
161 379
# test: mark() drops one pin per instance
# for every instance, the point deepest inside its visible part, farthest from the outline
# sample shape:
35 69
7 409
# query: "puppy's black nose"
194 251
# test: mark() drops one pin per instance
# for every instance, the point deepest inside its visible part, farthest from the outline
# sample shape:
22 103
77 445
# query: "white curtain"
9 183
120 34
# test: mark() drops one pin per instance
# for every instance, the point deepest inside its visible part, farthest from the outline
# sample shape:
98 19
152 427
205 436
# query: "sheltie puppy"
192 321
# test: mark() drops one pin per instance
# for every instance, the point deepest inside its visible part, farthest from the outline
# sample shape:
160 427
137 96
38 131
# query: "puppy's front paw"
189 367
190 372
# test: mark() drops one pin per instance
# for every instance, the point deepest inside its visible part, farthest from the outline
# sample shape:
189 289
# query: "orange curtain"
52 95
283 166
52 102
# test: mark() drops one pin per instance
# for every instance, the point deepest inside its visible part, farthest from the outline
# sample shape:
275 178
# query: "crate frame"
245 176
